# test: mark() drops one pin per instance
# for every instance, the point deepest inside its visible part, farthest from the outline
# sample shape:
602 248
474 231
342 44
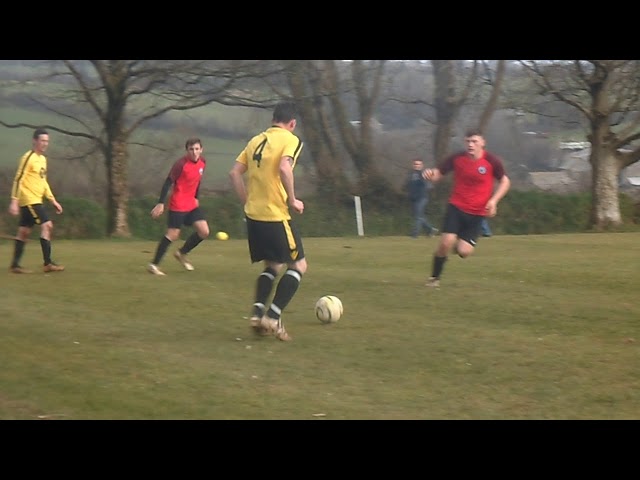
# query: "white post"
358 206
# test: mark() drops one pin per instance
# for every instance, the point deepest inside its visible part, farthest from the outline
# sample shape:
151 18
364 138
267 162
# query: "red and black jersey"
473 180
186 176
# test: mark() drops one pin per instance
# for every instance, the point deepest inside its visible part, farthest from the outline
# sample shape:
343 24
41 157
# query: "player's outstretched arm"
432 174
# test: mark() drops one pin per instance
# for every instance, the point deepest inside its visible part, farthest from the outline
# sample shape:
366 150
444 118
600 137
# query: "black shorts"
178 219
465 225
278 242
31 215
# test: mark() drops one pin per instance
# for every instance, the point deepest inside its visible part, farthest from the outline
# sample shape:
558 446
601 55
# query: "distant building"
573 171
554 182
536 134
574 145
376 126
635 181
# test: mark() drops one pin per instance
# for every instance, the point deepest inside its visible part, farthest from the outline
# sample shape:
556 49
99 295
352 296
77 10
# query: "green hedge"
520 213
80 219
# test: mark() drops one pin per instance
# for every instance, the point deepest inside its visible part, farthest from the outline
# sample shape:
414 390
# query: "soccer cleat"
19 269
254 322
151 268
433 282
268 325
53 267
275 327
281 334
183 260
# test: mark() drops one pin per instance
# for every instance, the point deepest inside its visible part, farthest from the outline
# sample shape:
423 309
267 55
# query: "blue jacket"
416 186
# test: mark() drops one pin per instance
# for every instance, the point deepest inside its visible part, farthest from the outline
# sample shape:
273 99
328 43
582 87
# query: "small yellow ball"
222 236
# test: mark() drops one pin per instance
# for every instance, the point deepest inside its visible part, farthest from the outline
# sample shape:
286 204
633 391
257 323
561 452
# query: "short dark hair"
191 141
284 112
472 132
38 132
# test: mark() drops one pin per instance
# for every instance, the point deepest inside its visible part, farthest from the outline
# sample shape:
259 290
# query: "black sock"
264 285
161 250
438 265
17 253
191 243
286 289
46 250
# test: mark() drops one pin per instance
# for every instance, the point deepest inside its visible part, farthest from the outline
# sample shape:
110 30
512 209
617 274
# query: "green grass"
530 327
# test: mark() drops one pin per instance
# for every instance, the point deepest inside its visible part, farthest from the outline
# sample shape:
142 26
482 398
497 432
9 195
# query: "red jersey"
473 180
186 176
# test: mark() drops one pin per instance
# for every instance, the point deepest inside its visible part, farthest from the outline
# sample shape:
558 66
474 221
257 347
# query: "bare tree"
460 84
365 78
338 101
107 100
607 93
494 80
473 85
453 87
307 84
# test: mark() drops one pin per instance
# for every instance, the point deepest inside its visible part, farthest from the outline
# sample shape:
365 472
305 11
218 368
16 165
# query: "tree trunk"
492 103
307 88
118 192
442 140
359 140
605 210
446 107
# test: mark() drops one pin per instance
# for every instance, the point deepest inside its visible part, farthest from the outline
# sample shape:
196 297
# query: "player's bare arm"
286 175
236 173
503 187
57 206
14 209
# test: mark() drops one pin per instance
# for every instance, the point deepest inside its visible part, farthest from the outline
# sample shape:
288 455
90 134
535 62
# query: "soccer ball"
329 309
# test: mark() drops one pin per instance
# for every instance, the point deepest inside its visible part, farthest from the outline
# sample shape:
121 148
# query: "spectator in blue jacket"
417 189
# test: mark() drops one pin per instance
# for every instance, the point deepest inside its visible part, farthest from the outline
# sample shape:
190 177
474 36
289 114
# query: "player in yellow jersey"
29 189
267 164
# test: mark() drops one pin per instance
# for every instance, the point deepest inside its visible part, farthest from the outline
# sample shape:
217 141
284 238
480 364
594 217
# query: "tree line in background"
341 103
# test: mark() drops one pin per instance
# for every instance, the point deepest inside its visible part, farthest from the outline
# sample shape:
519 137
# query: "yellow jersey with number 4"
266 196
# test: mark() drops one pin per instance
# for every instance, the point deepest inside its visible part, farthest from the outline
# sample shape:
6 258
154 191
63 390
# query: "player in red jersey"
473 197
184 208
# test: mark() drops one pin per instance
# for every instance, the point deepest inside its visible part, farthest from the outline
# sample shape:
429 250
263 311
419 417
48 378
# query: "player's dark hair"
472 132
284 112
192 141
38 132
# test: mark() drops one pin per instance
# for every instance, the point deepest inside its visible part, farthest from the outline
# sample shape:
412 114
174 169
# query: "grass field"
530 327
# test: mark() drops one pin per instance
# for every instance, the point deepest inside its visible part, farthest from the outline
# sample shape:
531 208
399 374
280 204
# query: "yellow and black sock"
286 289
46 250
17 253
264 285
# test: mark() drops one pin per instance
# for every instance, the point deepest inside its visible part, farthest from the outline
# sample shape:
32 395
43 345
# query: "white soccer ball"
329 309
